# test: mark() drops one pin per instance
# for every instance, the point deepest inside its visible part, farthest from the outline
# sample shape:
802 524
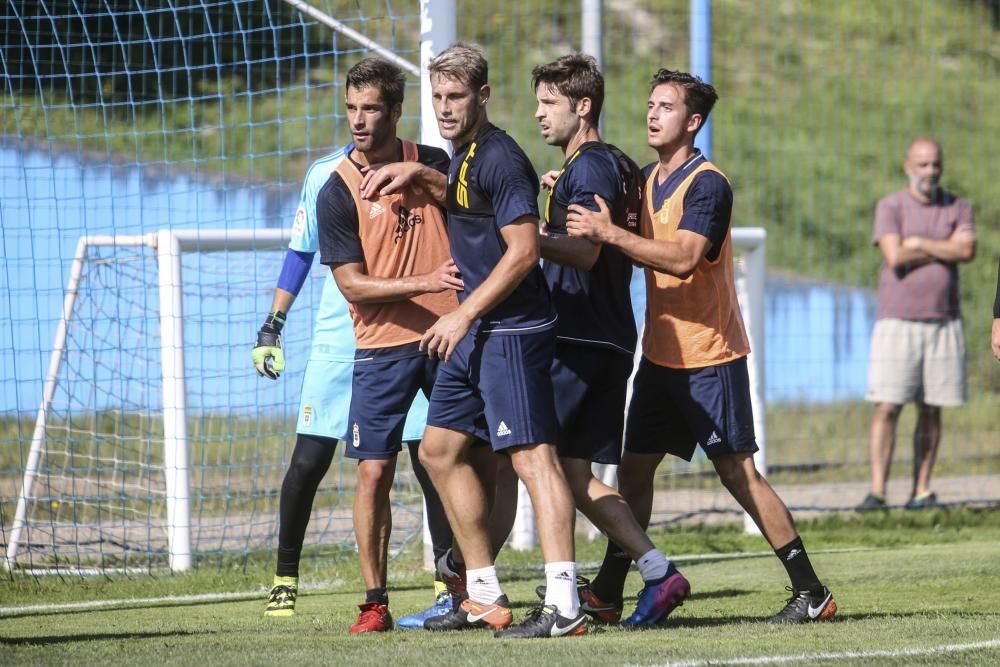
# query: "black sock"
796 561
441 535
310 460
609 584
379 595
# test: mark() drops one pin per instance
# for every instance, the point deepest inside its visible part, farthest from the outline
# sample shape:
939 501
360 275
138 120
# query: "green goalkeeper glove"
268 357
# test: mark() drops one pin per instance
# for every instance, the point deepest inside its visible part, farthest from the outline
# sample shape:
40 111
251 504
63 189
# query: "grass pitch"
912 589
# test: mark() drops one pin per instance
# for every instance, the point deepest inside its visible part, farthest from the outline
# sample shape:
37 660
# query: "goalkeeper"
325 399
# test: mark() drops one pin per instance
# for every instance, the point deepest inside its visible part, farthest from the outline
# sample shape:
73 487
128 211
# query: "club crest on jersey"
406 221
300 220
307 415
356 435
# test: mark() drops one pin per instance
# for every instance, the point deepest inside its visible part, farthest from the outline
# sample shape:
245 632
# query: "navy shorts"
675 410
498 387
590 385
386 380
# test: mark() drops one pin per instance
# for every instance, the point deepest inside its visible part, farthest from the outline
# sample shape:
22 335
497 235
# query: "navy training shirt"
488 190
595 306
708 203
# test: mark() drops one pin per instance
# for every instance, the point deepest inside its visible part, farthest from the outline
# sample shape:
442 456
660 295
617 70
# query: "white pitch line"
840 655
166 599
97 604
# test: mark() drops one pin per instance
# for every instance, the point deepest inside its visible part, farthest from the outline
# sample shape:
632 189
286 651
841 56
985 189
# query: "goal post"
169 246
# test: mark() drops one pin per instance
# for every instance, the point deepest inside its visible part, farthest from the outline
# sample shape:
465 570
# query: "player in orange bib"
692 386
390 258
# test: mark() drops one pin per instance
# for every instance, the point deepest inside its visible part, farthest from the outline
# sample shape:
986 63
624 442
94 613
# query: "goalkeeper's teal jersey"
333 336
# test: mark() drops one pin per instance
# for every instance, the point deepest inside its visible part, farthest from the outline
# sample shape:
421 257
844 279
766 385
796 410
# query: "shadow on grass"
695 622
724 593
68 639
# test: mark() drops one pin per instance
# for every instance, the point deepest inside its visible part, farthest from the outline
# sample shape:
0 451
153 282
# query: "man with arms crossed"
497 349
918 345
389 256
692 386
595 335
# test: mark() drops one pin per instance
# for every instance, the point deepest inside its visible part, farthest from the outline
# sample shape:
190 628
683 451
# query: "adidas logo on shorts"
713 439
375 211
502 430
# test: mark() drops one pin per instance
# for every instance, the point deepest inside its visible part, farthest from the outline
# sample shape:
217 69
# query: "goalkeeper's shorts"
326 402
326 398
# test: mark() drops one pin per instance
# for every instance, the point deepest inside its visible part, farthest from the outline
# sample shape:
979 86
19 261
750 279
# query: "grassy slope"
906 581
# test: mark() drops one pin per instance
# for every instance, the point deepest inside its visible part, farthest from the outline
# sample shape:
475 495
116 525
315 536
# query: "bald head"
923 167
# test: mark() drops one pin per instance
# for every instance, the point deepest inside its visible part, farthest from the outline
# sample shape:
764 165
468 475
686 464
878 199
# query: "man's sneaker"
871 503
441 606
804 607
656 601
924 501
281 599
374 617
469 614
453 578
545 621
608 613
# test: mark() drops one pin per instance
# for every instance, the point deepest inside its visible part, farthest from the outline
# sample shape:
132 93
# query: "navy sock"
609 584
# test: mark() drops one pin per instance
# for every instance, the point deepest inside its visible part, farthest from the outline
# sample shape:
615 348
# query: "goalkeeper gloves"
268 357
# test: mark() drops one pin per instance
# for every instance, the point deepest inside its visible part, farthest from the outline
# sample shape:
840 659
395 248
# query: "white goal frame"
169 245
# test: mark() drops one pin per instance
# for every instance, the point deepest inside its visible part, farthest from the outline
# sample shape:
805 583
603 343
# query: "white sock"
653 565
560 588
483 585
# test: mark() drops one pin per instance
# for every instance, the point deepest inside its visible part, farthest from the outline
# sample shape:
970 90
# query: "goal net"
131 126
156 440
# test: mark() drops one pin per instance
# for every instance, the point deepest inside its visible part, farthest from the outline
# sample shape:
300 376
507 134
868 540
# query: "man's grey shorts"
917 359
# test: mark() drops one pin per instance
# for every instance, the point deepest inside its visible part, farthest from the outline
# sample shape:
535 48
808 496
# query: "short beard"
930 191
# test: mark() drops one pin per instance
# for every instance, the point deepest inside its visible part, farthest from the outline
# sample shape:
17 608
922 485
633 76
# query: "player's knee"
634 479
533 462
734 474
375 476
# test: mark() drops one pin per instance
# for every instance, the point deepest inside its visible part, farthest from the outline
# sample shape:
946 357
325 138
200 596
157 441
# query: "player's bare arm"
959 247
577 252
389 178
520 257
678 257
995 340
282 300
359 287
